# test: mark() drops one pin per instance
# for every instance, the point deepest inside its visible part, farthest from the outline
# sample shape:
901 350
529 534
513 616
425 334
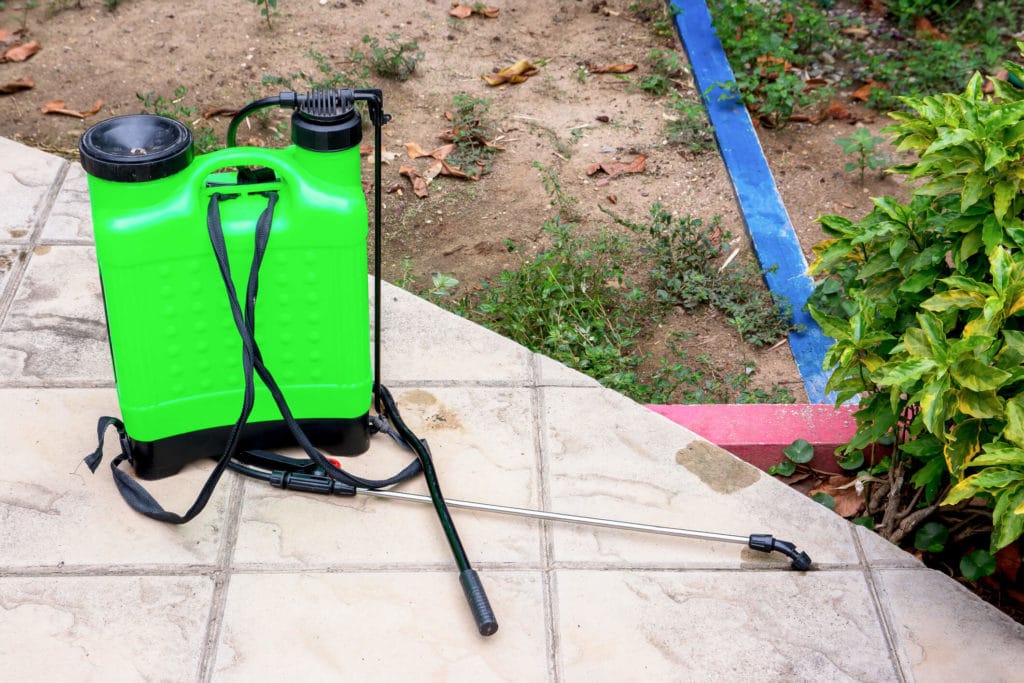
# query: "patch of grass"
688 124
325 75
688 271
173 108
395 60
472 130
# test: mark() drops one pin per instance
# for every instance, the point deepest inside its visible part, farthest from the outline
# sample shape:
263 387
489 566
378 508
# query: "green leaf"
995 478
1008 523
991 233
950 138
918 281
832 326
786 468
977 564
931 537
866 522
977 376
975 187
824 499
903 373
851 461
800 451
934 334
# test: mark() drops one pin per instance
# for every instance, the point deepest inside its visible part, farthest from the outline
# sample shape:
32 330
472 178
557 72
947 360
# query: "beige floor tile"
53 511
10 256
945 633
26 176
881 553
55 329
718 626
70 218
609 457
125 628
425 343
555 374
483 446
379 627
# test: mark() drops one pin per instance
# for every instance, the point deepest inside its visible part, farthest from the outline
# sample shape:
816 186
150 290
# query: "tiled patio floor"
267 585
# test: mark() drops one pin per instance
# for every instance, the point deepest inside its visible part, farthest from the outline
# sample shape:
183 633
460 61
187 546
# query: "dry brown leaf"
460 11
517 73
19 53
849 502
923 25
836 111
17 86
612 68
219 111
414 151
419 183
58 107
433 171
863 93
617 168
455 172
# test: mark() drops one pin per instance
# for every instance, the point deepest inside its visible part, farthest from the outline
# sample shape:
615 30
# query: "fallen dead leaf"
419 183
863 93
58 107
603 118
612 68
613 199
517 73
19 53
923 25
219 111
835 111
414 151
17 86
842 489
617 168
460 11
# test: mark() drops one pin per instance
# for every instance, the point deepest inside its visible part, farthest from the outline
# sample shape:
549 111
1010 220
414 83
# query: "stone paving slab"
698 626
103 628
374 626
28 181
266 585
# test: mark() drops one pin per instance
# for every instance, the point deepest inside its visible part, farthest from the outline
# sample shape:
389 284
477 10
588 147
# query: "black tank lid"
136 148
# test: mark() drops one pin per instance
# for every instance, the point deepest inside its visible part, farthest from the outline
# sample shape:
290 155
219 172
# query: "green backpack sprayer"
192 251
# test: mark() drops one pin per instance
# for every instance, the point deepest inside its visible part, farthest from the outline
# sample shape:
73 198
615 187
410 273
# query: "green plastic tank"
176 353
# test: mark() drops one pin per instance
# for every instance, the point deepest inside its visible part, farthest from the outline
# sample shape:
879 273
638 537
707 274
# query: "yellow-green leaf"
1005 191
1014 429
934 407
956 298
999 456
978 376
982 404
975 187
1007 522
903 373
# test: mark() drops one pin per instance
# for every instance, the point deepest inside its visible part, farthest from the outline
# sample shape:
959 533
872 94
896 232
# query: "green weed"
472 130
204 137
863 147
395 60
267 9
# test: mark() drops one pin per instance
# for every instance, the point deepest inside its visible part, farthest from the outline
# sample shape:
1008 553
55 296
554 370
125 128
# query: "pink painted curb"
757 433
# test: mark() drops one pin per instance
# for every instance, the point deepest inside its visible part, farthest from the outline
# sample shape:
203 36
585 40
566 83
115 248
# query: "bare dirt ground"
563 118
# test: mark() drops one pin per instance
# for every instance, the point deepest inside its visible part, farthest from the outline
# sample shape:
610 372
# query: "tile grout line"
18 272
882 613
222 580
548 578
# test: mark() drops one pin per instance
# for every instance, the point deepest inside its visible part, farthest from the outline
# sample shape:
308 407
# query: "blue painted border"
768 224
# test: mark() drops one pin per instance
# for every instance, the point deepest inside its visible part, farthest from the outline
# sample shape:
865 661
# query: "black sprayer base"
164 457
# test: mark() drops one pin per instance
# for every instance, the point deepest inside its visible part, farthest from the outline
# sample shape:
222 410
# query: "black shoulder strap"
133 493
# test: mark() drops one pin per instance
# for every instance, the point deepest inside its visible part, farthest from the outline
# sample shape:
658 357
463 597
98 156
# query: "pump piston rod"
762 542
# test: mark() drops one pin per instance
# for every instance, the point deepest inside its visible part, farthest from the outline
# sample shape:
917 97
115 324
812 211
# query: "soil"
561 118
